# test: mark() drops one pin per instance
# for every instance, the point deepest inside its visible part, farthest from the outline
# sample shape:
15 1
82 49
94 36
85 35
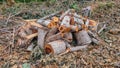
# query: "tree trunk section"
55 47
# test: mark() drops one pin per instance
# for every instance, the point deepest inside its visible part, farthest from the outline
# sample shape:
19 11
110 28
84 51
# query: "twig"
13 37
104 26
8 19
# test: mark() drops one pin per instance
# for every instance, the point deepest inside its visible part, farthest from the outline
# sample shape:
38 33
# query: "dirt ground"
95 56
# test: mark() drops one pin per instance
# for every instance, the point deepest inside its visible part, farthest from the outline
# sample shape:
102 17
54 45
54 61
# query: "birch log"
41 37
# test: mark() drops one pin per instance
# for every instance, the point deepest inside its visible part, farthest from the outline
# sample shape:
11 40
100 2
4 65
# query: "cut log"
55 19
52 31
45 22
78 16
36 24
68 37
64 29
84 27
92 23
72 49
55 47
33 23
41 37
66 21
74 28
24 31
49 23
83 38
57 36
78 20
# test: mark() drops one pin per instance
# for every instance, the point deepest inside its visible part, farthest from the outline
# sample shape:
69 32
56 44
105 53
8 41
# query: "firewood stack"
57 32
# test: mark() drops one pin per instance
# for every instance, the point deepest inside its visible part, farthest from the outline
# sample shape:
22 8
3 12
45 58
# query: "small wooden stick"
31 36
104 26
78 21
31 20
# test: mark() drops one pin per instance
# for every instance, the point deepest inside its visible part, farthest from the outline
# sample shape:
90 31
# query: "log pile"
56 32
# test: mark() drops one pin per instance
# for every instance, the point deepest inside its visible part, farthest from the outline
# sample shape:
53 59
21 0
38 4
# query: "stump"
55 47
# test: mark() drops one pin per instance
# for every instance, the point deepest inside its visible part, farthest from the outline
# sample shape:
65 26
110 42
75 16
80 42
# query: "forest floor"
95 56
